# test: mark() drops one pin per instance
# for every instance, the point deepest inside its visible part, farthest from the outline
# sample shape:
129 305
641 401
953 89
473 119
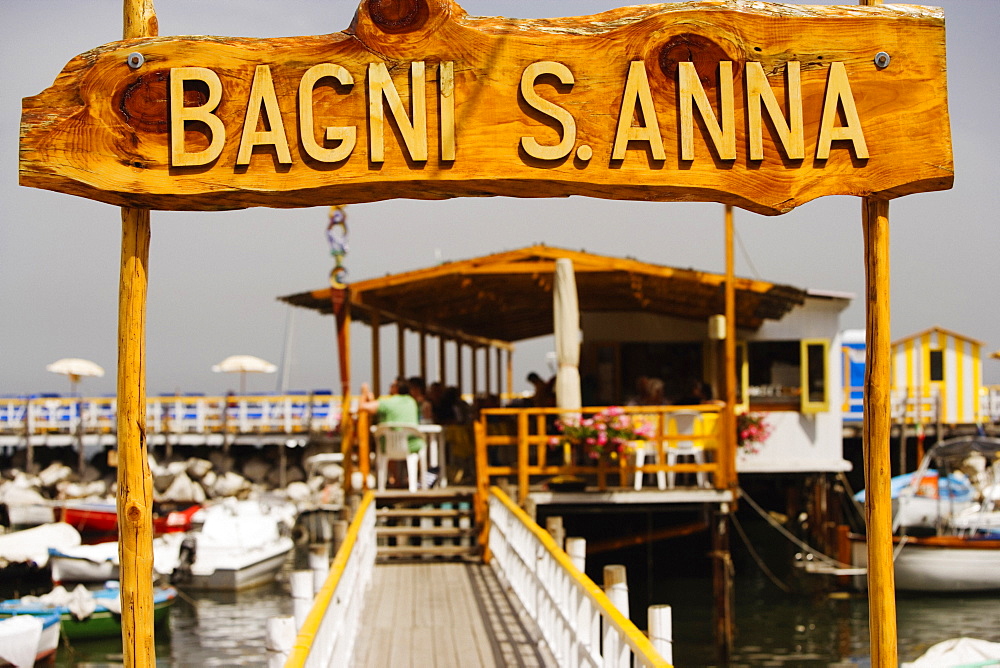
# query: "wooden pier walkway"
431 614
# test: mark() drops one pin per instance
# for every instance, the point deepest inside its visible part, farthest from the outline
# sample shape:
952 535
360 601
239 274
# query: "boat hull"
106 624
940 564
103 622
246 576
23 640
101 519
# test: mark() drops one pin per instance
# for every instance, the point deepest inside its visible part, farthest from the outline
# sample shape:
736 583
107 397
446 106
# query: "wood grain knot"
144 102
395 16
134 513
697 49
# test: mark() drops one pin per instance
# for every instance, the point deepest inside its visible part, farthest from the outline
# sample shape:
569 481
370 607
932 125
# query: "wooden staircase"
427 524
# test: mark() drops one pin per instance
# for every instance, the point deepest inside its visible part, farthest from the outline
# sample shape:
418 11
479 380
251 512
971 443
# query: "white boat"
959 653
98 562
29 548
940 563
237 545
28 639
963 554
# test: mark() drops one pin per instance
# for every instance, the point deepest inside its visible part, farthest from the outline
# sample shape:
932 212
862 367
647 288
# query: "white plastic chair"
685 422
392 441
650 448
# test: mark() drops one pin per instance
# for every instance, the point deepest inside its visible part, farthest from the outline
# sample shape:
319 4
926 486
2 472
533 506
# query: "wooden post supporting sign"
135 482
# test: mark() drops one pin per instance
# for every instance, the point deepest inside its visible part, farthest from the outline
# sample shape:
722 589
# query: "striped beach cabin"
938 367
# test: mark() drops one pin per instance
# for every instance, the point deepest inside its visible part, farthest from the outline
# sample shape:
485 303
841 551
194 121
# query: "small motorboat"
85 613
28 639
235 545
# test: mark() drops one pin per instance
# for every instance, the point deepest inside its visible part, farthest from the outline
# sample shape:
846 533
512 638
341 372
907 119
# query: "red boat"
100 518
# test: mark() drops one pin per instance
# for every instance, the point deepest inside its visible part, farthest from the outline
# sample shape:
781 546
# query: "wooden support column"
727 455
500 374
474 360
459 370
487 371
423 354
510 374
135 482
442 360
376 356
877 428
400 350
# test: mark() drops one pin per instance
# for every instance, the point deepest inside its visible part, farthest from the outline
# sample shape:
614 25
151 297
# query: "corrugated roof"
507 296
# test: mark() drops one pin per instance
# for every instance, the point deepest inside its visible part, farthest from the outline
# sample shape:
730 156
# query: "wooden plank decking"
445 615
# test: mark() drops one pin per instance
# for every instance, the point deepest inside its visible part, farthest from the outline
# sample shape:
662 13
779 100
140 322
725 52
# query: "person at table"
398 407
698 393
418 392
545 391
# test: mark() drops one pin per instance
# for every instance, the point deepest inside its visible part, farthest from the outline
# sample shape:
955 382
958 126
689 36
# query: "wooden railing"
524 445
578 622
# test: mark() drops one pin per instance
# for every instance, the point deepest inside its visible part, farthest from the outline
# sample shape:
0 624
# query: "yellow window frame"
806 405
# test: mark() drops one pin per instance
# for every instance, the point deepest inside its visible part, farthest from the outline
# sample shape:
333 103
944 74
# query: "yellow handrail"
636 639
310 627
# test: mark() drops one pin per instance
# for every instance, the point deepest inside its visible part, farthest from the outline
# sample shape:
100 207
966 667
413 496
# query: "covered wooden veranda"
494 301
491 302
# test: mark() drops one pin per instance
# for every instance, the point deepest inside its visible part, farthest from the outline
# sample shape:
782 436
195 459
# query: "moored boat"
939 563
101 517
963 554
235 545
24 554
85 613
28 639
98 562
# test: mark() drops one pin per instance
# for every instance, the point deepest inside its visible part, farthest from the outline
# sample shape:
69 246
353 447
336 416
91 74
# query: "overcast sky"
214 277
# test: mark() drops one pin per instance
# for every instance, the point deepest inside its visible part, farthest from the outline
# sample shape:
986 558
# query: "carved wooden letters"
749 106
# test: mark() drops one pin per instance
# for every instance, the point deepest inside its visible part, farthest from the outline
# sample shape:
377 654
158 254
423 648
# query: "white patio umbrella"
244 364
75 369
566 317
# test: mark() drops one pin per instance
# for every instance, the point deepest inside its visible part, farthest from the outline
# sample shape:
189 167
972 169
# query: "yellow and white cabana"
938 370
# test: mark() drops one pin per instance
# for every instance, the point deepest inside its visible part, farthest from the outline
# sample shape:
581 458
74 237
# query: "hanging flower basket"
604 436
752 431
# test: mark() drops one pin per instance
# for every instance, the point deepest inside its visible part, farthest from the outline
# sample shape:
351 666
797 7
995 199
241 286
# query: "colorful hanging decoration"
336 236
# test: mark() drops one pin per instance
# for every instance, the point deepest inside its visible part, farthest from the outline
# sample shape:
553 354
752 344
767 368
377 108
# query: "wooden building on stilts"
638 321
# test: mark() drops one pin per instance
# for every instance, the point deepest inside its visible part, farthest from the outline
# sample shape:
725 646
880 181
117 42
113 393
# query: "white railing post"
660 622
579 623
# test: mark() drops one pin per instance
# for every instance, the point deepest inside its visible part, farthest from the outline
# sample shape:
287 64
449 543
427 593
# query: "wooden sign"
763 106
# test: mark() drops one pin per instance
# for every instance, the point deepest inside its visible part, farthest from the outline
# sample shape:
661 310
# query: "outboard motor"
185 558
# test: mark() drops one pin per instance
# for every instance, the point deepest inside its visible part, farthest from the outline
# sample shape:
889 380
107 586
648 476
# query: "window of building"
937 365
785 375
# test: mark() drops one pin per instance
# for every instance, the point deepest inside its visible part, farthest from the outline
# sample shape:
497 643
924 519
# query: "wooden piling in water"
722 584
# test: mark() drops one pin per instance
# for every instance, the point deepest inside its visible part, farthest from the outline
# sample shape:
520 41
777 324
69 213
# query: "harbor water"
806 626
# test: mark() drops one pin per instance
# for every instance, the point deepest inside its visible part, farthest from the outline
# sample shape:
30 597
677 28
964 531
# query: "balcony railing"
526 446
